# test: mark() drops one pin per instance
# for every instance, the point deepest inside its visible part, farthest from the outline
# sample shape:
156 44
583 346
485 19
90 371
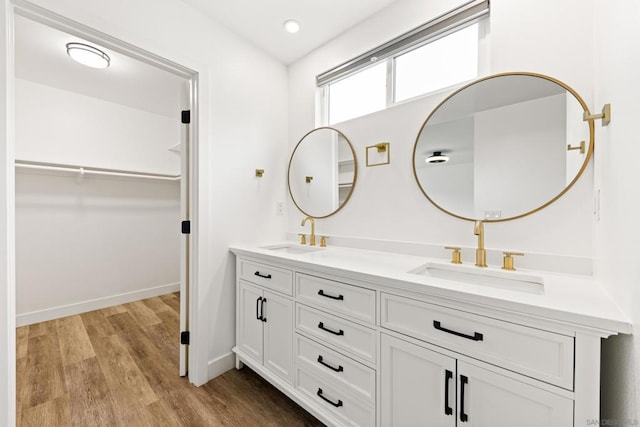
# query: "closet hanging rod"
94 171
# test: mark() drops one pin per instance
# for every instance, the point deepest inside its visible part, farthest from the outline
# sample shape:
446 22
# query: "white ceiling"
41 54
41 57
260 21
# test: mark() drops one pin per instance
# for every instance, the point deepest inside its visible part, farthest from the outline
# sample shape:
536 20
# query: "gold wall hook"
308 179
605 115
580 147
259 173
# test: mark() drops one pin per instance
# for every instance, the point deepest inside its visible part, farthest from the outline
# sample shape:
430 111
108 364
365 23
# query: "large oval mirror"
503 147
322 172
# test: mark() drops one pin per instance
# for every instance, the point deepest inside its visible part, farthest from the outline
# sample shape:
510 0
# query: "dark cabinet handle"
322 294
463 380
264 276
477 336
258 307
264 319
323 363
337 405
448 375
321 326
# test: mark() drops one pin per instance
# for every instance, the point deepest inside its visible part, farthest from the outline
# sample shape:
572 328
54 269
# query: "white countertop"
574 299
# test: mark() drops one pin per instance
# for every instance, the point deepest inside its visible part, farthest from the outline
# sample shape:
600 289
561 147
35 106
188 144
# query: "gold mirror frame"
355 171
493 76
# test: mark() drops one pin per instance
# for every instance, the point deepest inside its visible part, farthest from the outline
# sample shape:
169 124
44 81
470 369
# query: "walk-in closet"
98 167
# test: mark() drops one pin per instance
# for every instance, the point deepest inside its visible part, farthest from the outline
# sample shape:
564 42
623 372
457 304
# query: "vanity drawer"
337 297
336 368
356 339
543 355
265 275
335 400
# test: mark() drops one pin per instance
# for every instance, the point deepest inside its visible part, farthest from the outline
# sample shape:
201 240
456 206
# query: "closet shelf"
26 164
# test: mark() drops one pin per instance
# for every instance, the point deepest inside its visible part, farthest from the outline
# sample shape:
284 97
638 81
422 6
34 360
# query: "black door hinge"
184 337
186 227
186 117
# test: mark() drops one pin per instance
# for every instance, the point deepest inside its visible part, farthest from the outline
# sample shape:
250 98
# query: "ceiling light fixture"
291 26
437 157
88 55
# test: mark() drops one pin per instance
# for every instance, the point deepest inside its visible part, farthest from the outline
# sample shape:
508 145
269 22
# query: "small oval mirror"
503 147
322 172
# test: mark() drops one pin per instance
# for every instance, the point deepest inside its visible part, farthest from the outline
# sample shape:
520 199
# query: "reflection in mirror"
503 147
322 172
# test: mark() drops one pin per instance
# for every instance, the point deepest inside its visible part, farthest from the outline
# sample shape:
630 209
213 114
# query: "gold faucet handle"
323 241
507 261
455 255
303 238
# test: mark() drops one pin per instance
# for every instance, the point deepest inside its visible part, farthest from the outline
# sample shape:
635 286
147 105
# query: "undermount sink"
292 248
512 280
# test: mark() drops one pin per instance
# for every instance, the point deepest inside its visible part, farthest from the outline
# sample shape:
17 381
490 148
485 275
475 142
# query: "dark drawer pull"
258 307
323 363
264 319
322 294
448 376
477 336
463 381
321 326
337 405
267 276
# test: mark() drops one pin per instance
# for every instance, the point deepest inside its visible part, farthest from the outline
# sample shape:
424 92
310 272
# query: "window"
359 94
442 63
441 53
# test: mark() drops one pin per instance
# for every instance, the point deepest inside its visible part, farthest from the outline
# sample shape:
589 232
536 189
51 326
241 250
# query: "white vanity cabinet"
264 330
422 384
361 349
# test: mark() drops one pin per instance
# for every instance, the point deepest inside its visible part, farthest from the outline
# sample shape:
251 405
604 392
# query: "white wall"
241 126
58 126
87 243
83 245
617 176
527 35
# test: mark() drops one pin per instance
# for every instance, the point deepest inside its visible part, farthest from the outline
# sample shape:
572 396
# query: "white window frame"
476 11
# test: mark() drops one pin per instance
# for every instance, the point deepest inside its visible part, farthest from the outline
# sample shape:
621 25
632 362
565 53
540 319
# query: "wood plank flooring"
119 367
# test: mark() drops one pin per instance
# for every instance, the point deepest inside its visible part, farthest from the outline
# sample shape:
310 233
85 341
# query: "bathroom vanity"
381 339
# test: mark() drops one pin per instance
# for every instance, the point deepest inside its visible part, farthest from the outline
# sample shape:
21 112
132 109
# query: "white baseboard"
90 305
220 365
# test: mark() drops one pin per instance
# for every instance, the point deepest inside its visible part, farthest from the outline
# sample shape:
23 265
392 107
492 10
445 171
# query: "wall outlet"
280 208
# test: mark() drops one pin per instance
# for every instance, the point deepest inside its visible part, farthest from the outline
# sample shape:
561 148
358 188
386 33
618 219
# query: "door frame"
10 8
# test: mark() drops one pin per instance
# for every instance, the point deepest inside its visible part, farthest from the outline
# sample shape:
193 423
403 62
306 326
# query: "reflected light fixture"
291 26
437 157
88 55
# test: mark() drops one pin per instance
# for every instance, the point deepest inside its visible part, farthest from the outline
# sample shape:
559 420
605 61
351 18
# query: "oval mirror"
503 147
322 172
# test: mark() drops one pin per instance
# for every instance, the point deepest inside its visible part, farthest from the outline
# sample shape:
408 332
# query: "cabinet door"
278 335
488 399
418 386
250 325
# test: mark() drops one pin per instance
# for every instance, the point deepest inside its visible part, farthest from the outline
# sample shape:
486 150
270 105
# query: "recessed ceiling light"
88 55
291 25
437 157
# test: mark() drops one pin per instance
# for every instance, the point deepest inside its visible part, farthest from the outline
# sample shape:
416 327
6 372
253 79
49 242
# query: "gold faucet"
312 238
481 253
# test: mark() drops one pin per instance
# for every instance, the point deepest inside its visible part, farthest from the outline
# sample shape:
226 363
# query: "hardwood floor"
119 367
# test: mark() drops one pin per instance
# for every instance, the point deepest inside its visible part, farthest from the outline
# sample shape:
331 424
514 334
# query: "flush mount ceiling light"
291 26
88 55
437 157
